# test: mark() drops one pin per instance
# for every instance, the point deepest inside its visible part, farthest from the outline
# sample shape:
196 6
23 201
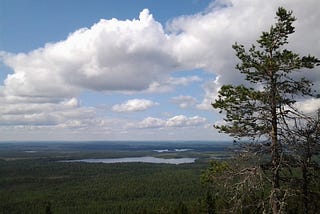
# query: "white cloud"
73 102
205 40
184 101
112 55
170 83
179 121
151 122
111 52
43 114
139 56
211 90
134 105
308 106
183 121
183 80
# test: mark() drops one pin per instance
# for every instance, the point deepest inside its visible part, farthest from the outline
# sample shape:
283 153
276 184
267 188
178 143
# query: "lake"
145 159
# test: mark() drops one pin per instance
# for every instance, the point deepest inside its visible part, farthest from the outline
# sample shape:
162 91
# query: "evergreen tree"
259 112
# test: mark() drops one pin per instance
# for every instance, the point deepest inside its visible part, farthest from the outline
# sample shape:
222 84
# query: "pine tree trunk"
305 177
305 188
275 172
275 151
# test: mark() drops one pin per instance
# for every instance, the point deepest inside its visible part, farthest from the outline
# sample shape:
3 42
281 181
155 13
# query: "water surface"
146 159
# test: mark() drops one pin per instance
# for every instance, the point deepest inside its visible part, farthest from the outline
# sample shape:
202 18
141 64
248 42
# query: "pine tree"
259 111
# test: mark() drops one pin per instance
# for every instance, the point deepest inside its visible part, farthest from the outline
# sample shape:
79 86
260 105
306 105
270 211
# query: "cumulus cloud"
184 101
140 55
204 40
112 55
134 105
183 80
45 114
210 91
308 106
151 122
182 121
170 83
178 121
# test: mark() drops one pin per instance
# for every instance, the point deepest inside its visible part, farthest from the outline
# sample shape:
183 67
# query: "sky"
131 70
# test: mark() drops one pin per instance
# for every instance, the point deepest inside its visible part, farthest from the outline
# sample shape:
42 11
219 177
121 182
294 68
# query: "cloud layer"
141 56
176 121
134 105
112 55
184 101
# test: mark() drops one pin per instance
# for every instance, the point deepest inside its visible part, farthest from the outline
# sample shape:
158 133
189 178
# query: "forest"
33 181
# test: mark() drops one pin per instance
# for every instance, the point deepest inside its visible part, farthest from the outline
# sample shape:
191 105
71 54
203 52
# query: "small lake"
137 160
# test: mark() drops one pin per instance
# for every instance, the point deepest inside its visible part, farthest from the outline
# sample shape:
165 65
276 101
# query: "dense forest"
32 186
32 180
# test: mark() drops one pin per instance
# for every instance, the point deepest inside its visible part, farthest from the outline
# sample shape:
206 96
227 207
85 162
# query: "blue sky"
127 70
27 25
